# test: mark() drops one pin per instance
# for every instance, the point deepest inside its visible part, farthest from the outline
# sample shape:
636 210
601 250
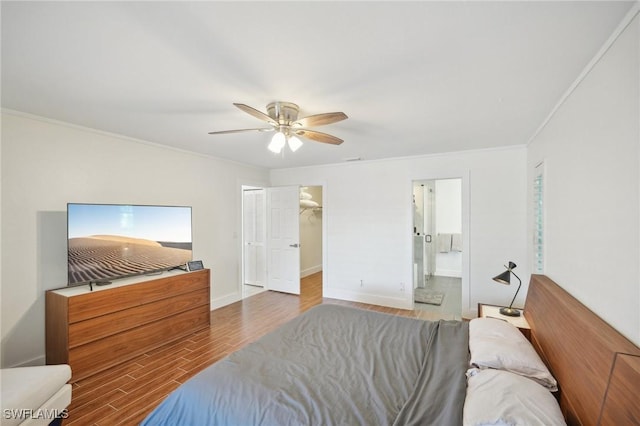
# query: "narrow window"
538 219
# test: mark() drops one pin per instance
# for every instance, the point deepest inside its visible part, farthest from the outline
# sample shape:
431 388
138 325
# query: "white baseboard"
40 360
372 299
448 273
310 271
228 299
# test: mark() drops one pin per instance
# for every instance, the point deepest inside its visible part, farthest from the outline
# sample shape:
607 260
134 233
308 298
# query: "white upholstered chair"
34 395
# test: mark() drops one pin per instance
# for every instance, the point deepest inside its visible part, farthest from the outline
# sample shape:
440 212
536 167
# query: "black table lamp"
505 278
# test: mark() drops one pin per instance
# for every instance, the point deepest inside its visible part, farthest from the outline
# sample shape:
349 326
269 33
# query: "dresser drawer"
123 346
106 325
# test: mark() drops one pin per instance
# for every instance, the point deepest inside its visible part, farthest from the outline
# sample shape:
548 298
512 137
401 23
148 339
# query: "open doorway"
438 247
255 238
311 224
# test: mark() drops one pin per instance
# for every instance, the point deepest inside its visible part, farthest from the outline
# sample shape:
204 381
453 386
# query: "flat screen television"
110 241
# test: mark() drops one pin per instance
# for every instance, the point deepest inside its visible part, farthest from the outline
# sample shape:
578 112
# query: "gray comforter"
332 365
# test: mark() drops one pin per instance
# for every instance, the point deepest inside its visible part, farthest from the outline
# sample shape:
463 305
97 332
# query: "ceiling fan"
282 117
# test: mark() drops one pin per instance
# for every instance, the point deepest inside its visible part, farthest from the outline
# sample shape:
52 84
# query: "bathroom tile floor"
451 307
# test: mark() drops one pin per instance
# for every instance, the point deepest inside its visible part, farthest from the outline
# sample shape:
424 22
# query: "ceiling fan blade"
257 114
261 129
321 119
318 136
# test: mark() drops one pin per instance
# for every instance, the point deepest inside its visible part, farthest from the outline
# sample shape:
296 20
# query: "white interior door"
254 237
283 239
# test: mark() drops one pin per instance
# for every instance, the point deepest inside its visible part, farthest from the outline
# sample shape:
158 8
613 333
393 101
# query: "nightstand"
493 311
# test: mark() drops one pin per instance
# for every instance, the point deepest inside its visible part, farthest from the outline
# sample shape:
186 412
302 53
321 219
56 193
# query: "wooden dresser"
95 330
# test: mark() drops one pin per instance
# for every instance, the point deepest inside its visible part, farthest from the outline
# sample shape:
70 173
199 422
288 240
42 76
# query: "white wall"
368 220
47 164
591 155
311 235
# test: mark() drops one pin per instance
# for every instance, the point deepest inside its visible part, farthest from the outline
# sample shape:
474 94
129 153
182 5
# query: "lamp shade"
294 143
277 142
503 278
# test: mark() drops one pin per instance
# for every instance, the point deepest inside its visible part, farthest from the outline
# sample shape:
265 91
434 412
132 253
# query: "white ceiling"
414 77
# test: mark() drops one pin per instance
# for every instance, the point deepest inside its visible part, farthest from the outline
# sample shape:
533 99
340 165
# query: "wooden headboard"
622 400
594 364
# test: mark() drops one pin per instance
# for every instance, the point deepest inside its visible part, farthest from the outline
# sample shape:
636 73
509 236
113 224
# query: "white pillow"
495 343
497 397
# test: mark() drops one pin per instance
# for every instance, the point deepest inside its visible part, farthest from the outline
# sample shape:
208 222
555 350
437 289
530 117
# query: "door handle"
294 245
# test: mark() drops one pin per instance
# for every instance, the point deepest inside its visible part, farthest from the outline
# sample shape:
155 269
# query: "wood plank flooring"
127 393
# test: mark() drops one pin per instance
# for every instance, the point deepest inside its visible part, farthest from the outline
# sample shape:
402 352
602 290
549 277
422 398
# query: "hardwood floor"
127 393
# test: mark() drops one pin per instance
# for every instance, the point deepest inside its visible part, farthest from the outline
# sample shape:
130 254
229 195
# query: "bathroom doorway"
438 247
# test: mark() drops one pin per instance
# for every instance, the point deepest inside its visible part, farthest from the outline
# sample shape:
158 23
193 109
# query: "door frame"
464 175
240 246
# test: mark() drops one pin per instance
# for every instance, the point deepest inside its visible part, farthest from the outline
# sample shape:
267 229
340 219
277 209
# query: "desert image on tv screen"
111 241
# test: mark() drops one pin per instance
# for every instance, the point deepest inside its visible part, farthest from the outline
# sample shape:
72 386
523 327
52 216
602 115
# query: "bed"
340 365
304 373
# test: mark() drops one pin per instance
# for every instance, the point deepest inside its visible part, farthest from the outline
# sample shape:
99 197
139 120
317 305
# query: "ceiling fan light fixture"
282 117
277 142
294 143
